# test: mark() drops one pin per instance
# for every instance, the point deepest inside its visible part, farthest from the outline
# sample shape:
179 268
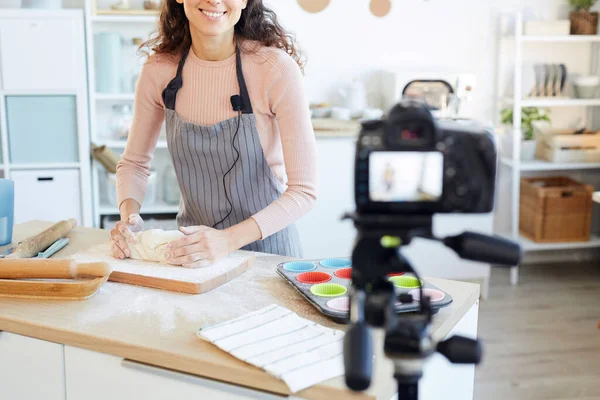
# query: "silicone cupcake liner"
336 263
299 266
328 290
344 273
406 282
433 294
339 304
396 274
313 277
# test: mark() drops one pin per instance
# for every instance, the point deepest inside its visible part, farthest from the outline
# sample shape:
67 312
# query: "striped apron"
202 155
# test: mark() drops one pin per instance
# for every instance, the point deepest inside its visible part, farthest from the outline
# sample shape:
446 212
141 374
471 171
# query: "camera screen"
409 176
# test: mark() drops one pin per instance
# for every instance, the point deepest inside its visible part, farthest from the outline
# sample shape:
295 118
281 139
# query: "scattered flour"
164 311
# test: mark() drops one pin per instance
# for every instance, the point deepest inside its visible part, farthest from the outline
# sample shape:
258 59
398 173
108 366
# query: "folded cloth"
298 351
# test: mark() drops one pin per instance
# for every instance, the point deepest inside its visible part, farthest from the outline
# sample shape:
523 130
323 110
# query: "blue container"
7 210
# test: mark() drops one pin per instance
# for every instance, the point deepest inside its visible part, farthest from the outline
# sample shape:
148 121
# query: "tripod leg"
408 391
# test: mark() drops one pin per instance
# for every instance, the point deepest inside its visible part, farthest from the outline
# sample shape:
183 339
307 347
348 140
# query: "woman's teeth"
213 14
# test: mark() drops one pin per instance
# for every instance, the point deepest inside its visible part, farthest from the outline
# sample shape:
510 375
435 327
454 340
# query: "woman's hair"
257 23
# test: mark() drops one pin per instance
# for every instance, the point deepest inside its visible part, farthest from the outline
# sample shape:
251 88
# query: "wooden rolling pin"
51 269
31 246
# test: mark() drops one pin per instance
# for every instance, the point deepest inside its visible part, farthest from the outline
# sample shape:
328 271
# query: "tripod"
408 342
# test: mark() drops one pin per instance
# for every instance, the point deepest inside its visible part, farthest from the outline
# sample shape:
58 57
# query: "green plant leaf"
528 116
582 4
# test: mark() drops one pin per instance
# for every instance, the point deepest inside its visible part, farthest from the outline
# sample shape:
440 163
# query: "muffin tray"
325 283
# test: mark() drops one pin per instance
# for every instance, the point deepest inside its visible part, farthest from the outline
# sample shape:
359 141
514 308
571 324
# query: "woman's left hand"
200 247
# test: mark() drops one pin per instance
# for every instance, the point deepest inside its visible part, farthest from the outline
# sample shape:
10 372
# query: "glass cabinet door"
42 129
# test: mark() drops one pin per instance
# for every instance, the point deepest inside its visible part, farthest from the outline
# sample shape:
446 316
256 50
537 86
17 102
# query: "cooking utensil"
30 247
7 252
23 278
563 83
55 247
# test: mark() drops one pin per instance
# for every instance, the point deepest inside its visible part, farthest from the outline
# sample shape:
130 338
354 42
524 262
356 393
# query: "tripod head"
408 341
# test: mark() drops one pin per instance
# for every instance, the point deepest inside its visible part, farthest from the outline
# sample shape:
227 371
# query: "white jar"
171 193
150 197
111 189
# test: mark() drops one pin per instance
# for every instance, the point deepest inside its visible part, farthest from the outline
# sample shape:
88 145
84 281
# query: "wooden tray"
51 279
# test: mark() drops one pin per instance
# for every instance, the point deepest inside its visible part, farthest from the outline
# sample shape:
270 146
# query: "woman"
226 78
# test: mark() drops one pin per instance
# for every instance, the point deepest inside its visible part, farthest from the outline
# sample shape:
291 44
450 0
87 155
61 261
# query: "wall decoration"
380 8
314 6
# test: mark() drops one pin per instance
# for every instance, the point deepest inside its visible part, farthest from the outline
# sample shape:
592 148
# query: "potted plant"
528 116
583 22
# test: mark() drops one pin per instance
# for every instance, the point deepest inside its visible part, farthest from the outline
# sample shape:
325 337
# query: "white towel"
293 349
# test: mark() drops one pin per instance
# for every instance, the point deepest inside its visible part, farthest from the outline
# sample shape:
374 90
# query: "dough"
151 245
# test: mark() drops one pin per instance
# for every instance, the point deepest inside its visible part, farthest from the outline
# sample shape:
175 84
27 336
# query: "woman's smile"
212 15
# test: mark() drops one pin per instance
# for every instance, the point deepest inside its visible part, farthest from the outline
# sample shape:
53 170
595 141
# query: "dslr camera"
412 163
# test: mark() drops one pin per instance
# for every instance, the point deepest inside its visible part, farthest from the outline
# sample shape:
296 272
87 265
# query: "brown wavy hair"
257 22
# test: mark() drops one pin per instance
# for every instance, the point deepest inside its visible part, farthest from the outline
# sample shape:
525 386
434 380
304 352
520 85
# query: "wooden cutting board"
169 277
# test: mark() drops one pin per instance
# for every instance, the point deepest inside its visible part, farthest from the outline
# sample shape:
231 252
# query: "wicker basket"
556 209
583 22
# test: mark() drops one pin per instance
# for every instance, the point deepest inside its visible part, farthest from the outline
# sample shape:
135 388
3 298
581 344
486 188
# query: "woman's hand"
122 231
200 247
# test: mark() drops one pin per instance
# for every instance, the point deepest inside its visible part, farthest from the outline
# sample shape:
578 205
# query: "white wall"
346 40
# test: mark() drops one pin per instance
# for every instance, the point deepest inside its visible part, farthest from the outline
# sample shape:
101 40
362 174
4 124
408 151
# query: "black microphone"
236 102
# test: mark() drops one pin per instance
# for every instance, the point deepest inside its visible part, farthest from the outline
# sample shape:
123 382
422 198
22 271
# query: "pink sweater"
280 107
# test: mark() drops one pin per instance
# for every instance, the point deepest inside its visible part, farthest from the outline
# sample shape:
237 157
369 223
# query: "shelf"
114 97
560 102
120 144
143 12
528 245
150 19
158 208
541 165
41 92
562 39
44 166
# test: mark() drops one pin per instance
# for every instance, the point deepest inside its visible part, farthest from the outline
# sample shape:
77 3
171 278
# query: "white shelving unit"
513 165
129 24
67 189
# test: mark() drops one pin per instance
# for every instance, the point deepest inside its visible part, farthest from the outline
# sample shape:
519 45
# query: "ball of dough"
151 245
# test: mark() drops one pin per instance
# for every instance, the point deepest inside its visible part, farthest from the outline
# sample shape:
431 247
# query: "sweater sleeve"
133 169
287 100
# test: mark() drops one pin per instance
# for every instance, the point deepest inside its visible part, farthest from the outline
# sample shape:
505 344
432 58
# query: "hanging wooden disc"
380 8
314 6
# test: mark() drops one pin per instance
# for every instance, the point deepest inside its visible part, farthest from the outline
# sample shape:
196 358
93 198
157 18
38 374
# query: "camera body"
411 163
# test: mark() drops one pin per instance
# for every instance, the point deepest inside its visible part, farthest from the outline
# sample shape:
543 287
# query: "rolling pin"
51 269
31 246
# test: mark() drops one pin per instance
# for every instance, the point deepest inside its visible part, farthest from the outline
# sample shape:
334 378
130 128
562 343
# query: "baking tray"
325 283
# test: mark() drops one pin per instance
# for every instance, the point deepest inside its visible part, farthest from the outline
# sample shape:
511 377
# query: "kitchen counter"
158 328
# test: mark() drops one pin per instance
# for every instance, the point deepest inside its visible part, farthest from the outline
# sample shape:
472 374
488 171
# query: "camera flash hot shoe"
408 342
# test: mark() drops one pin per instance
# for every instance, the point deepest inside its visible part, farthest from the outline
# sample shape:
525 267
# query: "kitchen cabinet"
50 195
322 232
44 124
31 368
37 53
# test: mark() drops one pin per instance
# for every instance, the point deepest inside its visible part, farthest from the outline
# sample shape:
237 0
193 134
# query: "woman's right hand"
122 231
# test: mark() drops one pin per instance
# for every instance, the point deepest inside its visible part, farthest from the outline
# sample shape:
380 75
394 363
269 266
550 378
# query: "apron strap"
169 94
246 104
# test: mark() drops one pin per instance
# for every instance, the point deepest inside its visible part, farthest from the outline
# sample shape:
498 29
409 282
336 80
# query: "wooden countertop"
159 327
